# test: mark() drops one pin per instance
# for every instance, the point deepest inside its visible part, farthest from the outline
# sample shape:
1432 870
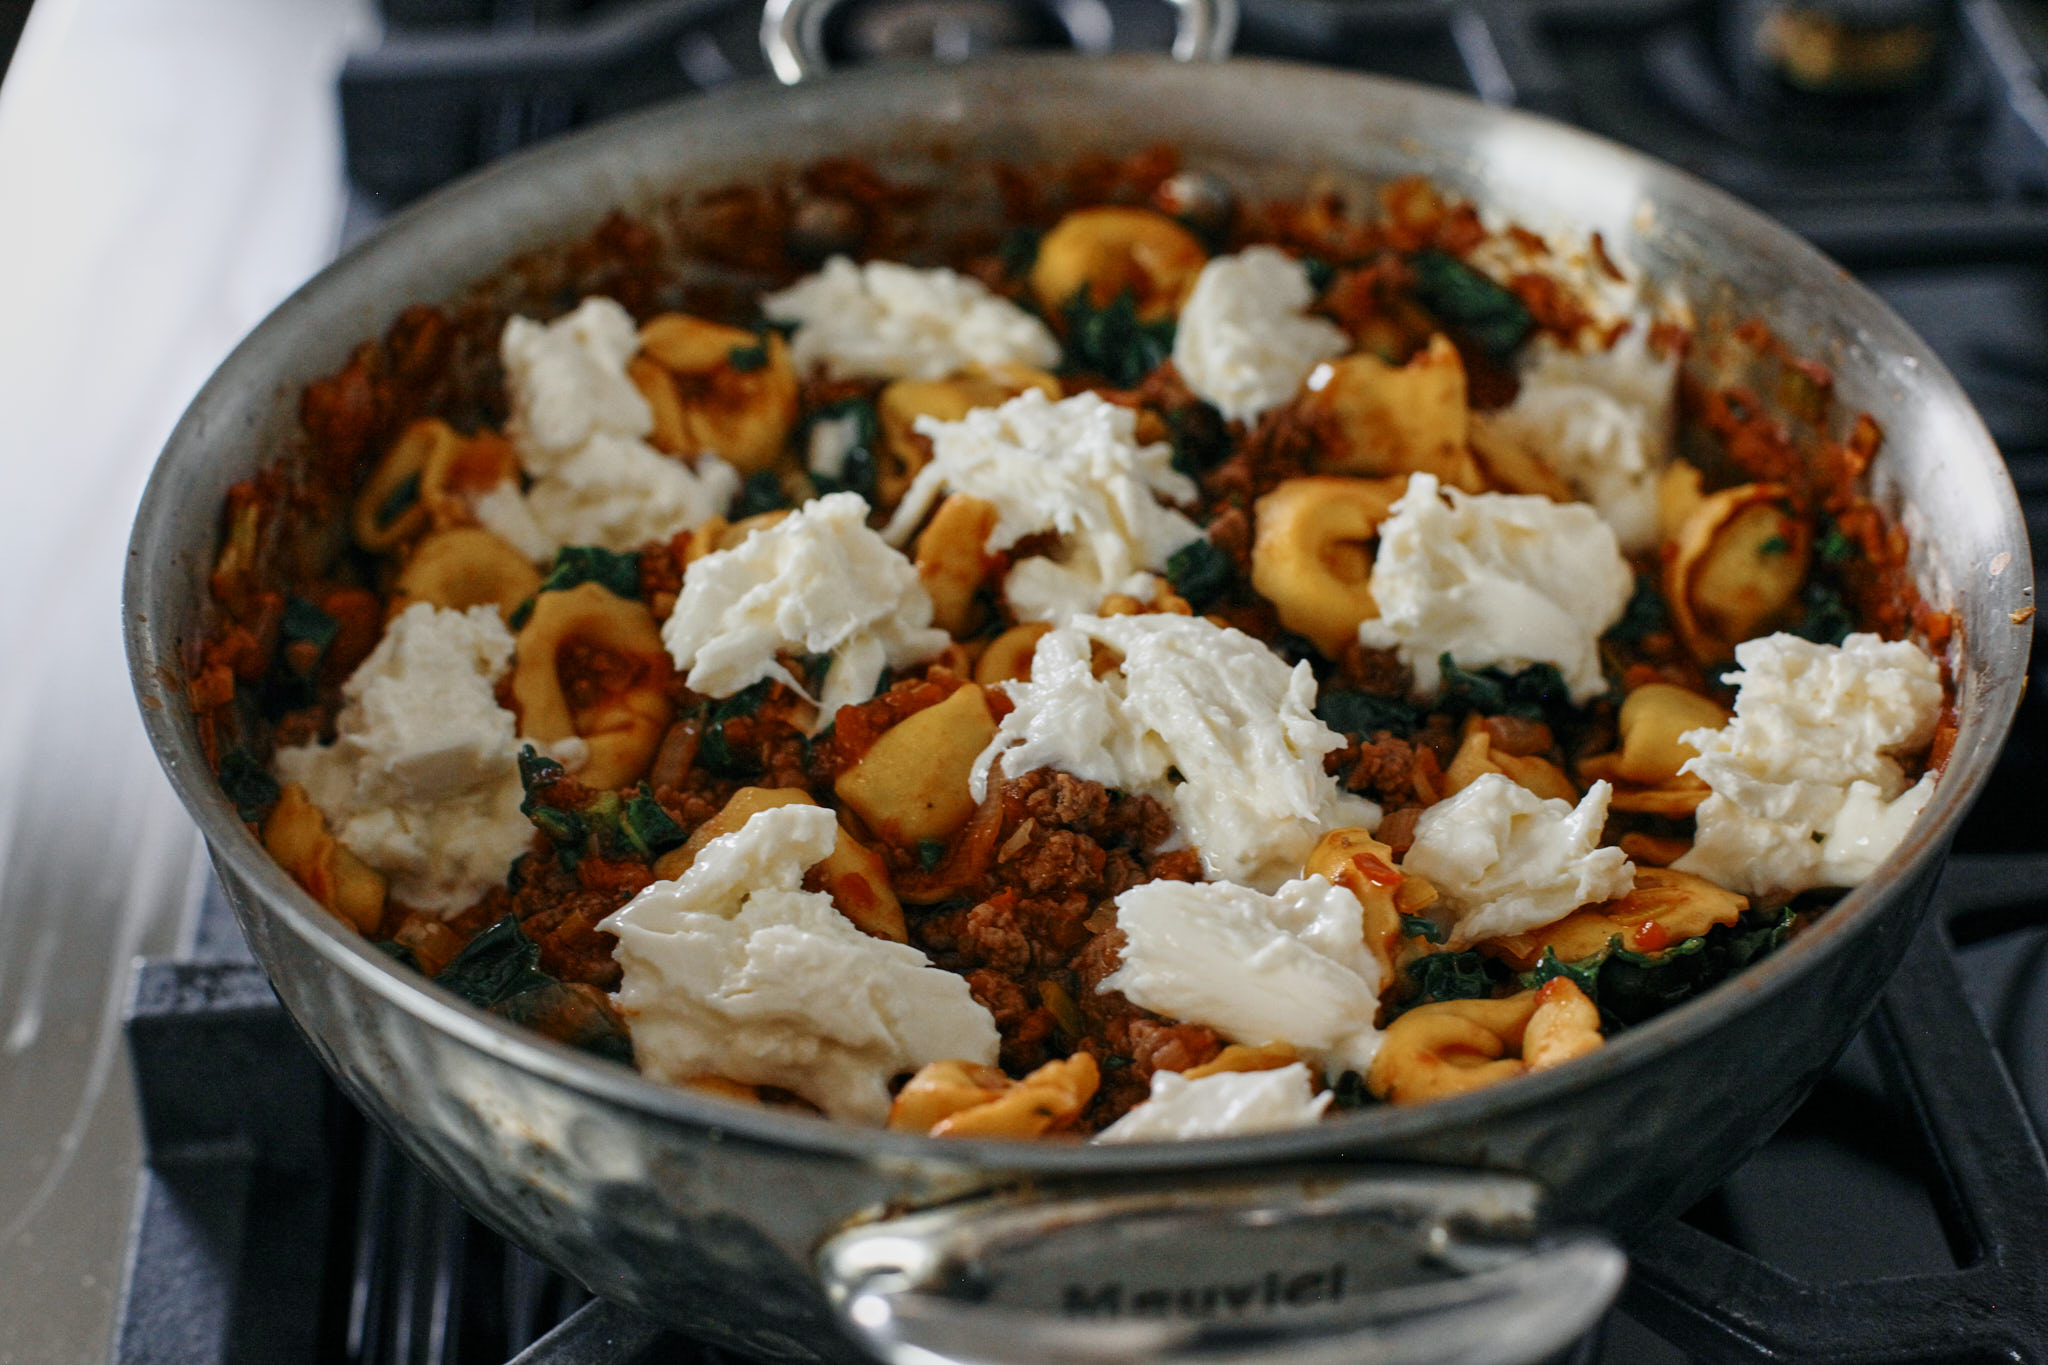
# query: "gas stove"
1900 1215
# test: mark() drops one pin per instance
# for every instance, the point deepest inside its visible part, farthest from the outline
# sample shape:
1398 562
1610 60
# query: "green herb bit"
747 359
646 827
1201 438
521 614
1827 619
1367 713
1451 976
1644 615
1834 547
1349 1092
1111 341
618 574
930 853
1019 251
1200 572
1460 295
248 784
496 965
1423 927
400 500
762 492
1584 973
304 623
1321 274
1776 545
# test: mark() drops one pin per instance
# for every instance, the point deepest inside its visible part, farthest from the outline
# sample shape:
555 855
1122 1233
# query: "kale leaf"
1452 976
1112 341
1367 713
714 750
747 359
1019 251
304 623
1423 927
1200 572
857 464
1460 295
618 574
1827 619
1644 615
499 963
1538 692
1201 438
762 492
248 784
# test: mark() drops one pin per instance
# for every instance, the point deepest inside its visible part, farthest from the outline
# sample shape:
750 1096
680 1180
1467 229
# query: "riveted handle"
1392 1266
793 34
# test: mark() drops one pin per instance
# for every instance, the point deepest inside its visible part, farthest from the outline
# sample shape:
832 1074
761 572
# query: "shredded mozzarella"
1807 786
1203 717
1227 1104
1495 579
1244 340
1288 967
884 320
734 970
1074 468
817 582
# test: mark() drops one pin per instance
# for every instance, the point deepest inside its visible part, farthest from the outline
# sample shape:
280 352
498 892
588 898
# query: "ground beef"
559 910
1064 850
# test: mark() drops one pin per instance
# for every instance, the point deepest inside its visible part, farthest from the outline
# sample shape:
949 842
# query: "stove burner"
1896 1218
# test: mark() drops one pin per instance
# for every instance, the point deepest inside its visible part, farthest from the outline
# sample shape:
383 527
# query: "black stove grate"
1901 1218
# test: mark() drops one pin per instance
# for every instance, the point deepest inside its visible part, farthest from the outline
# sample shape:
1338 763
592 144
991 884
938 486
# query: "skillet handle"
793 34
1398 1266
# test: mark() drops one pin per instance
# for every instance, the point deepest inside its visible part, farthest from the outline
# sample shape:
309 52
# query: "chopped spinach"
646 827
1538 692
1367 713
762 492
1452 976
1584 973
714 750
565 827
1350 1093
1321 274
400 500
1827 619
930 853
1422 927
1460 295
1644 615
1019 251
858 464
1776 545
1112 341
1200 436
248 784
618 574
570 1014
747 359
1200 572
304 623
499 963
1834 547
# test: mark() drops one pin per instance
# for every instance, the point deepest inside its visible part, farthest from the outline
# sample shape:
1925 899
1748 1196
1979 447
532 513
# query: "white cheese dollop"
577 423
883 320
422 780
1505 860
1496 579
1244 341
620 493
1604 421
1807 786
1291 967
1072 467
817 582
1203 717
567 382
735 970
1227 1104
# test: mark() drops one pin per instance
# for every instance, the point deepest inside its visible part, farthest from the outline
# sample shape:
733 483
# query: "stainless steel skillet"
1392 1234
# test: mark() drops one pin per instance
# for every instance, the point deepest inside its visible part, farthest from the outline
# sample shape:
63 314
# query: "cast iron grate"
273 1227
